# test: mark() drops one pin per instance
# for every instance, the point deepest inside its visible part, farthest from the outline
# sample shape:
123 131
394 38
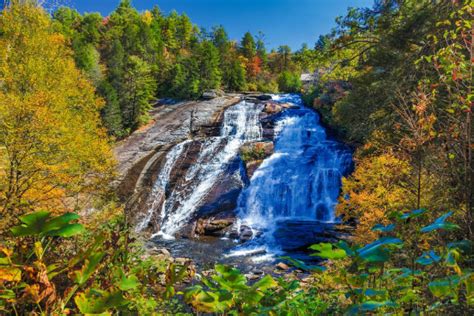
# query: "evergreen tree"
261 49
111 113
235 77
136 93
210 73
284 57
247 46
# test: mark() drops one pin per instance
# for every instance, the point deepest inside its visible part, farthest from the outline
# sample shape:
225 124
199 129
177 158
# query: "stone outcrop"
212 94
253 155
141 154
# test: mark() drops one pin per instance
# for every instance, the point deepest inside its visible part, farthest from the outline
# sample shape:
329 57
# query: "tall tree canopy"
52 147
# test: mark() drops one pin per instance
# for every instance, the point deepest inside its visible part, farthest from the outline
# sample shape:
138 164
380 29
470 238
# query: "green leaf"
35 218
83 255
382 228
463 245
97 302
428 258
446 287
60 221
303 266
413 214
32 224
40 224
265 283
67 231
90 265
128 283
327 251
440 223
229 278
345 246
369 306
451 258
376 251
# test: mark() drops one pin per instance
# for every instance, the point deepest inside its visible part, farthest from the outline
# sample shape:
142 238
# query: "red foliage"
254 66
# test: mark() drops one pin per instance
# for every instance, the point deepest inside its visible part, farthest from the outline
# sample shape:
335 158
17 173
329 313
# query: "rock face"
142 154
212 94
145 155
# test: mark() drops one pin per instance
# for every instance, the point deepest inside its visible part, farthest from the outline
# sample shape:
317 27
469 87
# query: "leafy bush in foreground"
47 269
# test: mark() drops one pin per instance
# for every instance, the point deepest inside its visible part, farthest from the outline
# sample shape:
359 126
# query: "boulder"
213 227
159 251
272 108
254 154
245 233
252 166
264 97
211 94
289 106
252 277
282 266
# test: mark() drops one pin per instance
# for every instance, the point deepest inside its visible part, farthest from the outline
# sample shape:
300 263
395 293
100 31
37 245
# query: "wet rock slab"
171 123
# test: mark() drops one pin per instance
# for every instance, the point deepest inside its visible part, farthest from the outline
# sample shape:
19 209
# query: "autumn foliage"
54 154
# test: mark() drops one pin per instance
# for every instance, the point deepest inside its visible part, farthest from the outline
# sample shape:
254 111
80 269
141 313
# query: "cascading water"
157 195
287 203
241 124
300 181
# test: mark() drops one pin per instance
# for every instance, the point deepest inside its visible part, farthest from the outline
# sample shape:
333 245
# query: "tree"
111 113
210 73
289 82
235 77
284 56
378 187
261 50
53 150
137 93
247 46
220 39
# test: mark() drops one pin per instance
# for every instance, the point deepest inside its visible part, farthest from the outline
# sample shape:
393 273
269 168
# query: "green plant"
41 272
253 153
380 276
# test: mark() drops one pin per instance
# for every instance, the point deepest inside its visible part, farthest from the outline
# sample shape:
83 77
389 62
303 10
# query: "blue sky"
290 22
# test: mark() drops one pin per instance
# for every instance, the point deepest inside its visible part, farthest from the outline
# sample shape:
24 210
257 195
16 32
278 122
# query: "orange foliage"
254 67
378 187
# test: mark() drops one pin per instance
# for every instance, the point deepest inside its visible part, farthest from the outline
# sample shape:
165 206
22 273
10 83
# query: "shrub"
289 82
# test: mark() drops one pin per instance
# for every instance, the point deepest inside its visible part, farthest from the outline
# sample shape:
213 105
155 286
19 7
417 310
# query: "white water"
241 124
301 180
157 194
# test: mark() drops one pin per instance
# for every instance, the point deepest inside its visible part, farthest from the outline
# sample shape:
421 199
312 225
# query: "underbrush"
54 265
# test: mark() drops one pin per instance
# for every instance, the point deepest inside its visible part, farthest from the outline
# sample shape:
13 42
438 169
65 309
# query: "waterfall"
158 191
240 125
301 180
290 196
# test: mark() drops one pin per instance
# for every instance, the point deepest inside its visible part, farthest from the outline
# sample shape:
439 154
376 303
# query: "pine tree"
210 73
247 46
137 92
261 49
236 77
111 113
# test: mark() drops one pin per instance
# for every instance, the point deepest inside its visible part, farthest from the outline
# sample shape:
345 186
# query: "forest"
393 82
